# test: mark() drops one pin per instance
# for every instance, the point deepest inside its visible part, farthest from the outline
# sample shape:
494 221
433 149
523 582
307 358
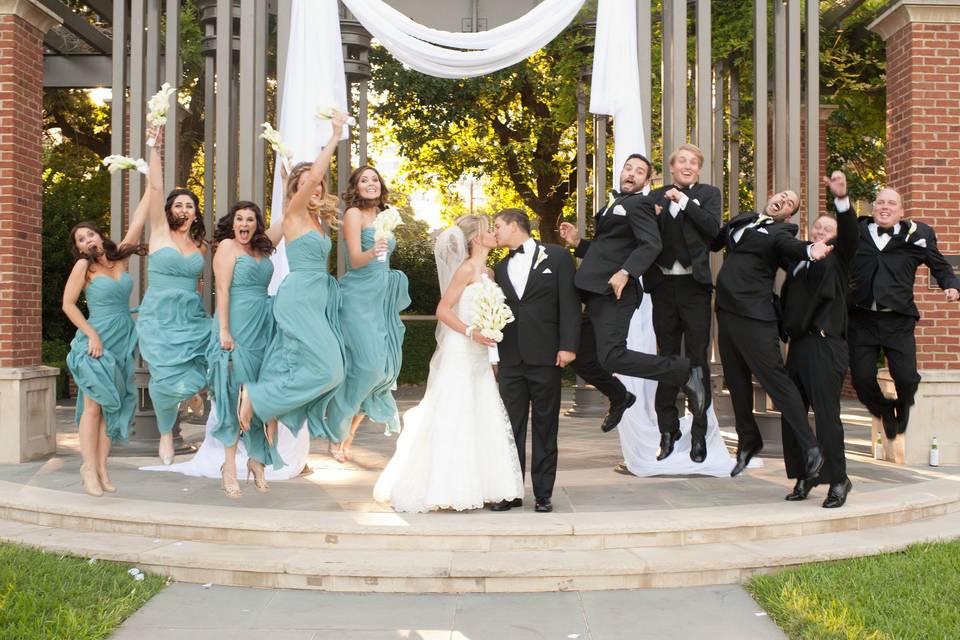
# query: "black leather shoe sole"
506 505
616 413
743 460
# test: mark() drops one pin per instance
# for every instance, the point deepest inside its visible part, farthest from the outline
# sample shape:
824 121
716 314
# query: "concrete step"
444 571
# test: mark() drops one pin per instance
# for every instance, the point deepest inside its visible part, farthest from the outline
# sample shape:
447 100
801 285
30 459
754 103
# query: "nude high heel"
255 469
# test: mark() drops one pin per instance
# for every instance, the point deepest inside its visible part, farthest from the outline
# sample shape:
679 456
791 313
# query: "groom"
537 280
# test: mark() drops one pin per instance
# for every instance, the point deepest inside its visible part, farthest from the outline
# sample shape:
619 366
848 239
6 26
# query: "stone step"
476 532
407 571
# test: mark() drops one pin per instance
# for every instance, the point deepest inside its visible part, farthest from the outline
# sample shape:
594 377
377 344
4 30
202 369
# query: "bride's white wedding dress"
456 450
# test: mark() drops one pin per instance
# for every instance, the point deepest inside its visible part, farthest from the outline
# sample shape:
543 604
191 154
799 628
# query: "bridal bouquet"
272 136
327 113
491 313
159 106
383 226
121 163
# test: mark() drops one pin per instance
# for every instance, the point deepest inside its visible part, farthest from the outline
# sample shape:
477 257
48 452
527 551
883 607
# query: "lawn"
45 596
912 594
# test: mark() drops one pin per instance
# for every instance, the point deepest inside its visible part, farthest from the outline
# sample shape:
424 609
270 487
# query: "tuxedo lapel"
533 268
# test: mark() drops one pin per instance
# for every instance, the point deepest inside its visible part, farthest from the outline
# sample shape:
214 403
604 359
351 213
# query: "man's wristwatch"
624 272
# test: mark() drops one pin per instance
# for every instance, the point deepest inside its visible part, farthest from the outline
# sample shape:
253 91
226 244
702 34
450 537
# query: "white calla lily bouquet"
491 313
116 163
272 136
383 226
158 107
327 113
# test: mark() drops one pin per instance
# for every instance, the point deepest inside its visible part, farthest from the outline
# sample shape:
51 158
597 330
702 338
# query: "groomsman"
680 284
883 314
814 299
626 243
537 280
748 335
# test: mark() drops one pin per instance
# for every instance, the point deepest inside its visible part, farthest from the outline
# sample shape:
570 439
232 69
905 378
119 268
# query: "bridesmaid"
373 296
241 331
101 358
304 363
174 328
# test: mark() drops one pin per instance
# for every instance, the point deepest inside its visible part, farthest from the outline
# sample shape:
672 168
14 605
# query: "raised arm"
71 293
940 269
152 193
297 206
223 262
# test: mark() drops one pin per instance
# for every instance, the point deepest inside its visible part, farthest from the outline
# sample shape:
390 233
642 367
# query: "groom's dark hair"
515 215
644 160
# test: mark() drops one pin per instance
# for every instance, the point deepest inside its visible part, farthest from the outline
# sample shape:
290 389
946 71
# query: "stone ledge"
28 373
32 12
904 12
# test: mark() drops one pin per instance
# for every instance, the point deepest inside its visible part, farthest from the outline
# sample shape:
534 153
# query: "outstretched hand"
820 250
617 282
837 183
952 295
569 233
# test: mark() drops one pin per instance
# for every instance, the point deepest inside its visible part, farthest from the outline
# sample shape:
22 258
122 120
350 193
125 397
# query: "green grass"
912 594
45 596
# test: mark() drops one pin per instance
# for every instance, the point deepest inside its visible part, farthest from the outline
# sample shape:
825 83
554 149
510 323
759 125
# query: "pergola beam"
78 25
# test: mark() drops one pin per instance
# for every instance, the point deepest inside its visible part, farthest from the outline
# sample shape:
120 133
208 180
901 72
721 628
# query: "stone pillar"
923 164
27 388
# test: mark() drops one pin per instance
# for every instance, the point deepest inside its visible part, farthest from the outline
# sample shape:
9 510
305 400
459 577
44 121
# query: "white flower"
490 311
272 136
159 105
385 222
327 113
540 257
913 227
116 163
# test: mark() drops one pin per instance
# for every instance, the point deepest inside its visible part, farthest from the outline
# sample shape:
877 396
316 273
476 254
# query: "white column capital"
906 12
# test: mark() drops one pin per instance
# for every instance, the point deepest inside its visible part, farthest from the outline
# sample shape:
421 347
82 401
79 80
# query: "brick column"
923 164
27 389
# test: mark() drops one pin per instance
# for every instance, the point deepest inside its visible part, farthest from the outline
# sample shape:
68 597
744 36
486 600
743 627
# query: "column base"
588 403
28 402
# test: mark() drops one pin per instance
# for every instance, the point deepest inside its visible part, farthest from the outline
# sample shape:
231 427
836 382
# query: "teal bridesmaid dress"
373 297
304 363
251 325
174 332
108 380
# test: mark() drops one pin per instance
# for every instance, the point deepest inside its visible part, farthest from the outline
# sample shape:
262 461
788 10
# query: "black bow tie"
514 252
884 230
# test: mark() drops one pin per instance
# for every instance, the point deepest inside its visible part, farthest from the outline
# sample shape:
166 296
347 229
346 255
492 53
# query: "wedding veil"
450 251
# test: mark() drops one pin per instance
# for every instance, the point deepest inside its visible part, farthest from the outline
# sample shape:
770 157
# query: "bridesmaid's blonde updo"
325 208
472 226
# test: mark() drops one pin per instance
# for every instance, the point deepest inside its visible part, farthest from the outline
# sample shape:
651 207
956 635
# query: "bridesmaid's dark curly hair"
259 242
198 231
352 198
112 252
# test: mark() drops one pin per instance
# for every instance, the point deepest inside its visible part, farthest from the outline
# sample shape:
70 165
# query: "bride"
456 450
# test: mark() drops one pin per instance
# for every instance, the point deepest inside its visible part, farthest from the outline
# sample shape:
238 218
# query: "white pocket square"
762 230
546 271
697 202
922 242
619 210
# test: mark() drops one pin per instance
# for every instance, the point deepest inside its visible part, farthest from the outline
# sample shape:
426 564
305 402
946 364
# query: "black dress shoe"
506 505
667 440
890 424
622 468
800 490
615 415
543 505
743 459
698 448
696 392
902 412
837 494
814 463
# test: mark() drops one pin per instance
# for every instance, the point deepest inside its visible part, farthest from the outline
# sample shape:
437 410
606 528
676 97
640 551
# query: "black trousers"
524 386
681 315
611 323
817 365
588 367
748 346
871 331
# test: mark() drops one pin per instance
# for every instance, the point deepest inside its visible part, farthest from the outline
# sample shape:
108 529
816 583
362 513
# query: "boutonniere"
610 201
763 218
911 229
540 257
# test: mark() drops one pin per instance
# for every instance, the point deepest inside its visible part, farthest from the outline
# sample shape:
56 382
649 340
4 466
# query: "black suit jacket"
700 222
815 298
745 281
547 317
625 237
886 277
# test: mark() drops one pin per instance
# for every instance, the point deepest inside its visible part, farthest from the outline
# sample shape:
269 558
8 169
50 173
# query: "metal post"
248 124
794 43
118 115
644 45
666 83
284 8
171 74
813 112
678 98
363 120
581 160
137 113
600 161
714 172
733 164
780 115
760 104
705 123
259 101
224 138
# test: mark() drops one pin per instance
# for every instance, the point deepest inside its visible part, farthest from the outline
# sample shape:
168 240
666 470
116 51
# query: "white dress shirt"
518 267
675 208
881 240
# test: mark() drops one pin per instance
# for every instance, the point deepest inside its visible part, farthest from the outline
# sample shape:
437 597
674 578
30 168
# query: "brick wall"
21 103
923 164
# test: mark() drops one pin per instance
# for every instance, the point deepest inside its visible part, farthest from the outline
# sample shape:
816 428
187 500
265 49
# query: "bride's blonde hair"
472 226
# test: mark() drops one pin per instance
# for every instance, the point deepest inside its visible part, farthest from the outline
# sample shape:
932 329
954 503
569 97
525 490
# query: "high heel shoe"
255 469
91 484
105 483
336 451
232 488
166 449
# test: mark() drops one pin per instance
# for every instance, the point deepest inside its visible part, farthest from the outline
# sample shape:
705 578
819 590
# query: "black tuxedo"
626 237
814 319
546 320
748 335
681 303
883 312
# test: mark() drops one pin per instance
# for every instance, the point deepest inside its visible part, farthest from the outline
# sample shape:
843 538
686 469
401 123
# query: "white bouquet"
122 163
383 226
491 313
159 106
327 113
272 136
